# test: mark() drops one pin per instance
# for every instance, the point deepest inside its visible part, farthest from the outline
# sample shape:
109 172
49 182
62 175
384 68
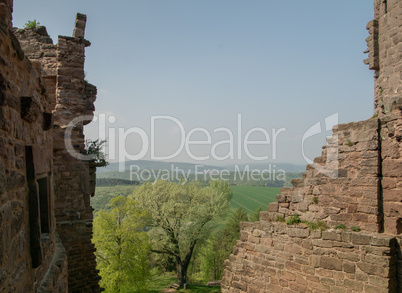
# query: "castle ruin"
356 183
45 212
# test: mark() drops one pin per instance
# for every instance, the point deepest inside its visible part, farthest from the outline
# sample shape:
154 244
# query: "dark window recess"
47 121
44 205
33 209
29 163
385 3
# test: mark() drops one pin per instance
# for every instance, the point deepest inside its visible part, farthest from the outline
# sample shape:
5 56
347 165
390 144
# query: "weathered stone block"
389 183
392 168
281 198
298 232
355 285
297 182
393 195
360 239
393 209
331 235
393 225
273 207
349 267
372 269
331 263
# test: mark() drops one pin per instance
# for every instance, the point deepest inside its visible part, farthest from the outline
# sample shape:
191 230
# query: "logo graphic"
117 137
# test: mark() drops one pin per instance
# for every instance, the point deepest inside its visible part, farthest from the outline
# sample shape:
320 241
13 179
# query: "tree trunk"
182 265
181 272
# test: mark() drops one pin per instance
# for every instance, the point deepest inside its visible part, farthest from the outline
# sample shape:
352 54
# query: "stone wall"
391 168
28 249
275 257
45 213
355 185
342 186
72 177
39 47
387 35
385 53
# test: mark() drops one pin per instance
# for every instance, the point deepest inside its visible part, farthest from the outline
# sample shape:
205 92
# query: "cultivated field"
251 198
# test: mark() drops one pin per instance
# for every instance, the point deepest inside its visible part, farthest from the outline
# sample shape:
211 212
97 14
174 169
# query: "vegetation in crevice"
295 219
31 24
94 148
280 219
340 226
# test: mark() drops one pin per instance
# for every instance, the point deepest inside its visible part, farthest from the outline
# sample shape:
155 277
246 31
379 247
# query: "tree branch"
163 252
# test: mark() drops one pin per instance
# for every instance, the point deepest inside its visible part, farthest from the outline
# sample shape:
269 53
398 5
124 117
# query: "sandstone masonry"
45 214
357 182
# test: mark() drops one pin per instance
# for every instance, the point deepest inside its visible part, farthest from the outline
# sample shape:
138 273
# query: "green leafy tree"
182 215
122 246
220 246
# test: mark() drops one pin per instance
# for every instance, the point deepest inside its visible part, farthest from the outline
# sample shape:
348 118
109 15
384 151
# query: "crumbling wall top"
80 24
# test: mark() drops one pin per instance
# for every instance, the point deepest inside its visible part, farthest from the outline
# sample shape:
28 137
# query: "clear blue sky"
285 63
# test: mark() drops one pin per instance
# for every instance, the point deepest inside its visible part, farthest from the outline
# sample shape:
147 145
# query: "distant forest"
114 182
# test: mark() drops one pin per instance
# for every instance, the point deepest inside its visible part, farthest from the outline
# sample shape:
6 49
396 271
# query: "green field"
251 198
248 198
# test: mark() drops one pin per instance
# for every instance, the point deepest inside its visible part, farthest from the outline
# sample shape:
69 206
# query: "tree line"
115 181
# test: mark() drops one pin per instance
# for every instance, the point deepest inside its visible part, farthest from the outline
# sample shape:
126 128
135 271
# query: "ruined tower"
45 214
356 184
